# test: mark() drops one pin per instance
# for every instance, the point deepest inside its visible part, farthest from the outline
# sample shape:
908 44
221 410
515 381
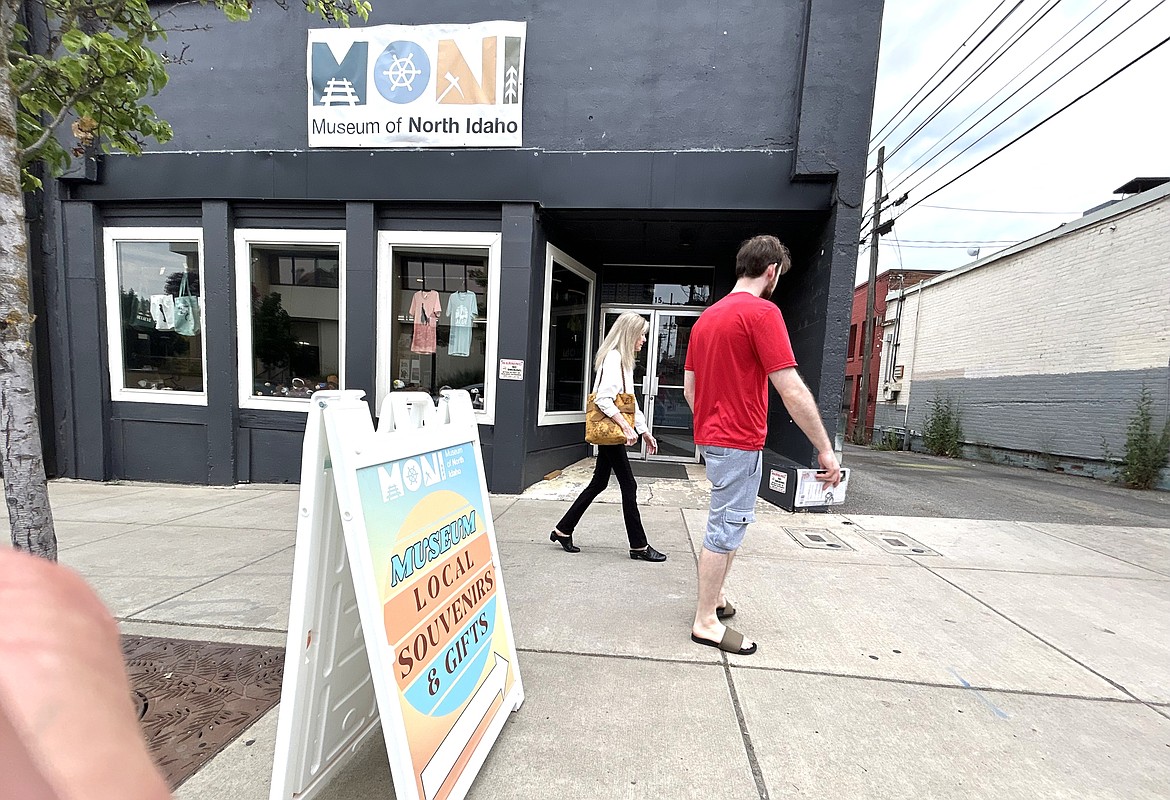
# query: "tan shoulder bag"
601 429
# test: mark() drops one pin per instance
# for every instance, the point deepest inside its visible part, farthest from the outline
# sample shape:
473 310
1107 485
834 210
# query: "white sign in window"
154 315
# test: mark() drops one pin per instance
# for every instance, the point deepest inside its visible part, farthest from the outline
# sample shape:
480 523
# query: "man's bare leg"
712 570
723 583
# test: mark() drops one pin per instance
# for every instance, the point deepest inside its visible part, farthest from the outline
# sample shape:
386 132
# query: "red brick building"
851 396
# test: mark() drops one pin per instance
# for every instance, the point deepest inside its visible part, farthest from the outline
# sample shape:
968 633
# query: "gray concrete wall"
1059 414
889 415
1041 420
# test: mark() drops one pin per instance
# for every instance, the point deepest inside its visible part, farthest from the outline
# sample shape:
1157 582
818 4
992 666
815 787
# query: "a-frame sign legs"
328 707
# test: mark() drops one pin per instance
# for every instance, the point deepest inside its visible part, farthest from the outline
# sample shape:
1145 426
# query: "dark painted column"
361 297
219 337
88 375
818 341
53 356
836 105
517 305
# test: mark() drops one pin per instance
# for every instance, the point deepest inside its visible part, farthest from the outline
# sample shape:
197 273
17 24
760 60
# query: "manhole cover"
193 698
817 539
900 543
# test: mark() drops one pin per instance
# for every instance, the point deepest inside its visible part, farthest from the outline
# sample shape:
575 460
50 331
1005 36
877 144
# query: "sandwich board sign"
398 610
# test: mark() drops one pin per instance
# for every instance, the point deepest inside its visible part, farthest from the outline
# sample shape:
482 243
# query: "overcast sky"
1070 164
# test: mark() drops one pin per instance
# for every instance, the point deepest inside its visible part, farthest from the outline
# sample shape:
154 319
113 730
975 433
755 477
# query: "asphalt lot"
919 485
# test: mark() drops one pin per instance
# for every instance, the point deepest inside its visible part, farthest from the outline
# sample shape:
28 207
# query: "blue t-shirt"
461 310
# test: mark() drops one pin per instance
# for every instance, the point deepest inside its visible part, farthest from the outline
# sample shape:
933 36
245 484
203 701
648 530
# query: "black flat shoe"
649 554
566 542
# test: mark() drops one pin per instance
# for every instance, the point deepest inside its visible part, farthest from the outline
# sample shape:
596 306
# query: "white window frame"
245 238
114 343
438 242
555 254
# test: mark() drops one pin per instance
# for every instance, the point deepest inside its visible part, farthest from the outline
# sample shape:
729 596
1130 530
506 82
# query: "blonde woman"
615 374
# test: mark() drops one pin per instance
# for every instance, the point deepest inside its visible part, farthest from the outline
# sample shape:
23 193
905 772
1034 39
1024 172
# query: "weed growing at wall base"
1145 451
889 440
943 433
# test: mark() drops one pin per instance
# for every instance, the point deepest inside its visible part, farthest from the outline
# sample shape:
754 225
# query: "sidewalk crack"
753 761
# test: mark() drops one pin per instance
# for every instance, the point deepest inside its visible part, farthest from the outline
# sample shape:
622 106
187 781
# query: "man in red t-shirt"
737 347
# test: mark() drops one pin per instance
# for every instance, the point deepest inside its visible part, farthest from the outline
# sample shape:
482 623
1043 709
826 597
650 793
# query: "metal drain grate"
900 543
195 697
817 539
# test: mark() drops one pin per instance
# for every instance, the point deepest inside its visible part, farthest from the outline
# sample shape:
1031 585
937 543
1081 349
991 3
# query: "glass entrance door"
658 379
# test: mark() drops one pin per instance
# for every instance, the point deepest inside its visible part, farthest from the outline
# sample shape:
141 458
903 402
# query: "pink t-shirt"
425 308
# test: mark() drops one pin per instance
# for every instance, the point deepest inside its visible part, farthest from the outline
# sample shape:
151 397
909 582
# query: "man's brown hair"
757 253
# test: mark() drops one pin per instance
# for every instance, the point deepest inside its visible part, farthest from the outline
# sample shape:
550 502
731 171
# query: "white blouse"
609 385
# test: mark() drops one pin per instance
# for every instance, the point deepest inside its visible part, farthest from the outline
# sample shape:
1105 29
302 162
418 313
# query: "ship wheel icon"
402 72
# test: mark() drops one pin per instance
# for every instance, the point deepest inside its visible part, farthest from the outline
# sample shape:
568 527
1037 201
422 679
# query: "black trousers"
610 458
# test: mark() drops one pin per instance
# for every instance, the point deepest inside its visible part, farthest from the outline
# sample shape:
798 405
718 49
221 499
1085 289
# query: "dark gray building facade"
655 139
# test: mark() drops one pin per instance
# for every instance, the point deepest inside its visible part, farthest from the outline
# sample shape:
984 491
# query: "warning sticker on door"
778 481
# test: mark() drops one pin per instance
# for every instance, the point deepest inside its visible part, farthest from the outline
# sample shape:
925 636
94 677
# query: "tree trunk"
25 488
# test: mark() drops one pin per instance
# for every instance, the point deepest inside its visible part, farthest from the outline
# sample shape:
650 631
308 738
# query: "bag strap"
600 372
183 284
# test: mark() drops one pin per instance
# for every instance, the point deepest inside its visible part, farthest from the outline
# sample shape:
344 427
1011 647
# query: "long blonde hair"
623 337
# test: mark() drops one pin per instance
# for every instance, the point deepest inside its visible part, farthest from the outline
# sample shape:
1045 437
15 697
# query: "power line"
898 249
903 178
960 241
1067 33
949 246
1059 111
1020 32
1000 210
942 66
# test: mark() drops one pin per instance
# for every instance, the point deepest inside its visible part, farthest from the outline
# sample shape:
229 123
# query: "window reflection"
661 294
162 331
296 306
567 338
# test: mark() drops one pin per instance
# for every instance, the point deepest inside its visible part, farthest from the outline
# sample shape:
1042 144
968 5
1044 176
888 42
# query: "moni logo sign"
417 86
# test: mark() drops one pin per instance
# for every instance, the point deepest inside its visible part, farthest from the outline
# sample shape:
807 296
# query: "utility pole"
870 302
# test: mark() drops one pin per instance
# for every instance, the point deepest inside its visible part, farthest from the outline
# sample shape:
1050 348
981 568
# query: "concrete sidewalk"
1025 660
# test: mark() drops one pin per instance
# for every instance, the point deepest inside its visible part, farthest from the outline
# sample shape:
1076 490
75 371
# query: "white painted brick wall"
1095 300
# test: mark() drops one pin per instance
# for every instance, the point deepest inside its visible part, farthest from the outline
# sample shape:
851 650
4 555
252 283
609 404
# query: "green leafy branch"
99 63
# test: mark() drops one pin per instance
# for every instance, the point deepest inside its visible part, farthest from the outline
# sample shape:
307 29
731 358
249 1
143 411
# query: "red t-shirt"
734 346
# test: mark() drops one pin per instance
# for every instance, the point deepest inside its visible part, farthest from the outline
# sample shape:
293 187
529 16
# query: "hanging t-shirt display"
426 308
162 311
461 310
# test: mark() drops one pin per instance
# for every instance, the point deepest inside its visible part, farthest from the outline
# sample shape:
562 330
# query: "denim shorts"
735 482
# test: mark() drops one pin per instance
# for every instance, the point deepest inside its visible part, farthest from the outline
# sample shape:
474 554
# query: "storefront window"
290 343
643 285
438 293
155 315
568 321
439 332
659 294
